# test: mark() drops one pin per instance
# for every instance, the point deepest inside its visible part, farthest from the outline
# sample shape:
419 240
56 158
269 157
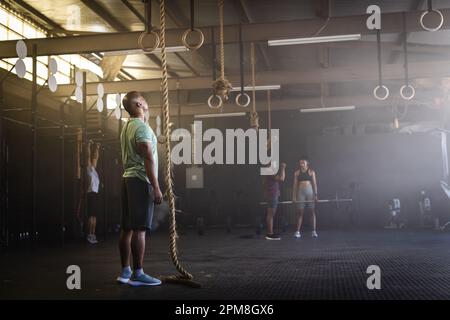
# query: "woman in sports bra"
305 189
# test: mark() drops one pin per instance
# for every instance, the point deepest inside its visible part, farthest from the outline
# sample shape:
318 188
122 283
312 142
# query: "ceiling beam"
255 32
362 72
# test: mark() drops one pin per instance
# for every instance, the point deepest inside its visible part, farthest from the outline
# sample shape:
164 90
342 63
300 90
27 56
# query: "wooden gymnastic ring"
375 92
142 37
210 100
431 29
193 46
413 92
242 94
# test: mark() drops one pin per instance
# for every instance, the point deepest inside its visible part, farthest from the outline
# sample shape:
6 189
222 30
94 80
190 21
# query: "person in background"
305 190
93 188
271 195
426 214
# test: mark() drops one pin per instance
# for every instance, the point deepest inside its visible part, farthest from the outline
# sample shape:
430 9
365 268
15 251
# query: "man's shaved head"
132 101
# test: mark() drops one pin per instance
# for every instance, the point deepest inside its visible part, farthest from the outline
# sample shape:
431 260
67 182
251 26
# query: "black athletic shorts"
137 204
93 204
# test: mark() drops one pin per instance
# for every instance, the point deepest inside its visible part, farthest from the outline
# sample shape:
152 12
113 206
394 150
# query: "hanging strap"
241 58
405 49
148 29
407 85
192 15
380 71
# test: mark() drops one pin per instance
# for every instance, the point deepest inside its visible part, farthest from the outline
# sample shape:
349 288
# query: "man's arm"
282 175
96 155
314 184
294 188
145 150
88 154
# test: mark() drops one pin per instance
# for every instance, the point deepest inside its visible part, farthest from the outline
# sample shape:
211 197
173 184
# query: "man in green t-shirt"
140 189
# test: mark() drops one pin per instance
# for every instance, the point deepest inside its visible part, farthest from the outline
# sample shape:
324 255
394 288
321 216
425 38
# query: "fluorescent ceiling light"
140 51
327 109
219 115
286 42
258 88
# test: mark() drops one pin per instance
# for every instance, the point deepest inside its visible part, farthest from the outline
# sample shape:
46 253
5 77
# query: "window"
14 27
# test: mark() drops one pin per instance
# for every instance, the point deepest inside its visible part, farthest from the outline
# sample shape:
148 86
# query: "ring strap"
380 74
405 49
192 15
241 58
148 15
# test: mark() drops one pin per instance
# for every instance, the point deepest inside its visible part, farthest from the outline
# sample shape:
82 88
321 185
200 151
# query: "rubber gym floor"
239 265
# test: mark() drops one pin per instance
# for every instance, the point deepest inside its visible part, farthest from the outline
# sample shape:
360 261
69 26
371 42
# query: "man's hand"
158 196
316 197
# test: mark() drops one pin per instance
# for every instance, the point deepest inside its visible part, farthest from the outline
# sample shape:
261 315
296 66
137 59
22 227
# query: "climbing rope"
221 86
184 277
254 119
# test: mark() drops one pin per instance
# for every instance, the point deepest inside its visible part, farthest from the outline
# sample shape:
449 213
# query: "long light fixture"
258 88
287 42
140 51
219 115
327 109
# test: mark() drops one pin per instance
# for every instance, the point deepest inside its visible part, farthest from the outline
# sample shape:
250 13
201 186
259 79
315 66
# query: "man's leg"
94 224
125 247
269 220
138 248
300 219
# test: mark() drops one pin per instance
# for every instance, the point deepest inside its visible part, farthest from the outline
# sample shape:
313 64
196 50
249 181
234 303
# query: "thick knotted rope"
254 119
221 86
184 276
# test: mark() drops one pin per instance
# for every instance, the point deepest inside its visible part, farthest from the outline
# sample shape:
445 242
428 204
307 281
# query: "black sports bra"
304 176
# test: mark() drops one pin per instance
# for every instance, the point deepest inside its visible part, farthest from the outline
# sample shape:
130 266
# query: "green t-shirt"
134 132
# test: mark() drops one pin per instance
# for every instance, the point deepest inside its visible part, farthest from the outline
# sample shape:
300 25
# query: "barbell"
335 200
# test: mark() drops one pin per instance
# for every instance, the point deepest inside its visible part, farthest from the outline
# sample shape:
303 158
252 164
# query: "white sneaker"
314 234
91 239
297 234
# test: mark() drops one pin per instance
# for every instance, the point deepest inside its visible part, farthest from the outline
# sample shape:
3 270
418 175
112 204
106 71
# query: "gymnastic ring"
431 29
142 37
247 102
193 46
210 100
375 92
413 92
